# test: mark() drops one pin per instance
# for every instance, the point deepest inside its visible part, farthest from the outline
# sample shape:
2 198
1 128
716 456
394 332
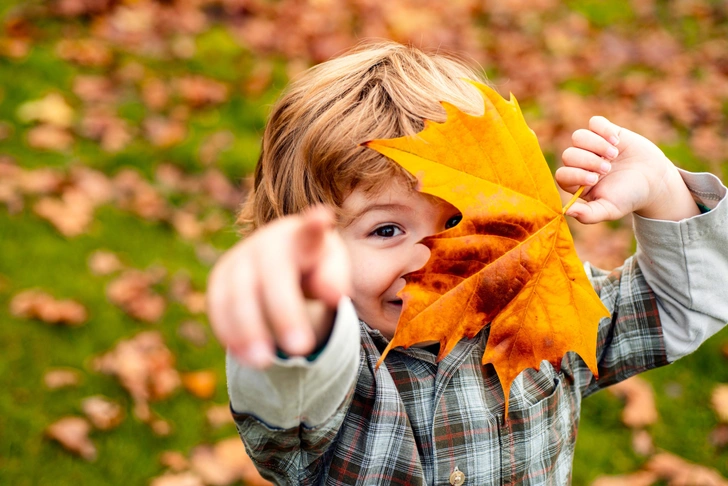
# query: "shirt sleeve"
670 296
686 265
295 391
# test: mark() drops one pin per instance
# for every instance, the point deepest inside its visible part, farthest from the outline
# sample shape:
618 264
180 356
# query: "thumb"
591 212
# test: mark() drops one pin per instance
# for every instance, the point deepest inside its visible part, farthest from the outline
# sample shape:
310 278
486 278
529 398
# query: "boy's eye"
387 231
453 221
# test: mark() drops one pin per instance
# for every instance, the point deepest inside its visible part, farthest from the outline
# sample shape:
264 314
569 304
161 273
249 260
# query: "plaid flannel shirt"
414 421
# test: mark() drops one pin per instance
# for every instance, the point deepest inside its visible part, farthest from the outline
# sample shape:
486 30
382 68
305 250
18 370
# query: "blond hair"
310 152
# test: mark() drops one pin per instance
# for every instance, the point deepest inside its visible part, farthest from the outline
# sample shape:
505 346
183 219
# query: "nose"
418 257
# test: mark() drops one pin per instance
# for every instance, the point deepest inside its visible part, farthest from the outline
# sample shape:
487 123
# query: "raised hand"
622 172
279 288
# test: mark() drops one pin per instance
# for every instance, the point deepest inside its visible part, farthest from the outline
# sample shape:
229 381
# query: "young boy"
336 226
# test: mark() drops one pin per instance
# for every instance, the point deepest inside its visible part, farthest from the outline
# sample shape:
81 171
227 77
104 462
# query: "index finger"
604 128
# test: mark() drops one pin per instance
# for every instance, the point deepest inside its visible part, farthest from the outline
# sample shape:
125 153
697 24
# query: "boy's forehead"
393 195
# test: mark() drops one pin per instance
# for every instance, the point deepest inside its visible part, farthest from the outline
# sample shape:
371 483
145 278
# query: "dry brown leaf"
642 443
86 52
102 262
719 436
132 292
719 401
61 378
35 304
639 409
174 460
639 478
219 189
187 225
71 214
94 89
145 368
135 194
181 479
219 415
72 434
199 91
102 125
225 463
679 472
49 137
193 332
180 290
163 132
155 94
41 181
52 110
202 383
212 146
104 414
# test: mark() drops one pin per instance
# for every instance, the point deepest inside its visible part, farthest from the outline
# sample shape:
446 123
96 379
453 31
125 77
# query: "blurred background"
127 131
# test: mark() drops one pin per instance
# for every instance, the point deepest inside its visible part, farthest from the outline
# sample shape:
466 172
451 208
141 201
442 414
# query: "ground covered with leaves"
127 129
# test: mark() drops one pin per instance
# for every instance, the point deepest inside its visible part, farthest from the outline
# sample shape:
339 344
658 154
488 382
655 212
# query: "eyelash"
374 233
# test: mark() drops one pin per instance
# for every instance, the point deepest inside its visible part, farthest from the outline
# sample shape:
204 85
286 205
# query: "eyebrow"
378 207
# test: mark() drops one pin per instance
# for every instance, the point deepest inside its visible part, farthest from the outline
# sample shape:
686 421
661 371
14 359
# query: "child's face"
382 233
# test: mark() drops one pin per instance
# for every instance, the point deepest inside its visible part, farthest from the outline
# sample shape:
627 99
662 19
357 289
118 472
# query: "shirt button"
457 477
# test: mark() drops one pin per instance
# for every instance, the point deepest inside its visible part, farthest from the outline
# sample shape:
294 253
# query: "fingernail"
257 355
613 139
612 152
592 178
296 342
606 167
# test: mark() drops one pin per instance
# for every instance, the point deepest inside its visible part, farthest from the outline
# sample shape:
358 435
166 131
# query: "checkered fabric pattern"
414 421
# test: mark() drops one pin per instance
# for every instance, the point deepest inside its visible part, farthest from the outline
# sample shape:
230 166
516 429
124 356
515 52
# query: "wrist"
674 201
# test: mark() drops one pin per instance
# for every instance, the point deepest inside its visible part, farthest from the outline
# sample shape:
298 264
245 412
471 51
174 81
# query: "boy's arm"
686 265
297 391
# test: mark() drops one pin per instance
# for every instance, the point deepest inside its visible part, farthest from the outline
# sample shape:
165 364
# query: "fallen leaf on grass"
719 401
85 52
180 479
639 478
155 94
174 460
61 378
102 262
719 436
103 413
35 304
132 292
71 214
51 109
72 434
202 383
102 125
213 145
145 368
94 89
49 137
639 409
135 194
219 415
193 332
163 132
225 463
679 472
199 91
642 442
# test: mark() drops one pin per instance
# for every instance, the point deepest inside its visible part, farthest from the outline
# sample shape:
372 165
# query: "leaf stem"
573 199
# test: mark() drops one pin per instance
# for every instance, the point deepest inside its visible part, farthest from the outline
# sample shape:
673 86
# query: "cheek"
373 274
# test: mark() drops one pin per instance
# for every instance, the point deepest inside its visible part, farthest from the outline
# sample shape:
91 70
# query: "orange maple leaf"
510 262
